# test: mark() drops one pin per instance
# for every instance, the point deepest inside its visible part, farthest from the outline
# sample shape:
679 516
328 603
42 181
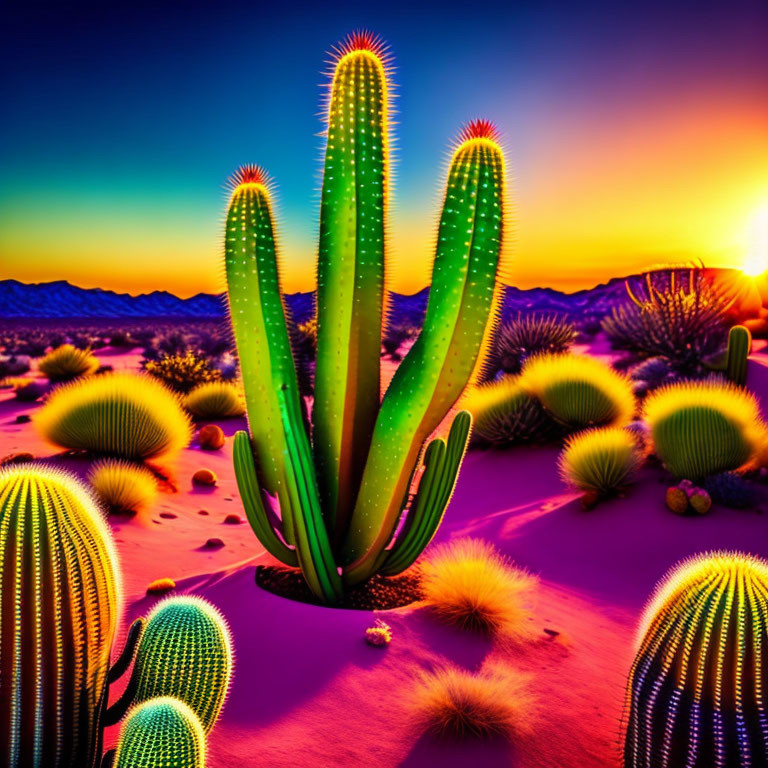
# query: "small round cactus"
161 733
185 651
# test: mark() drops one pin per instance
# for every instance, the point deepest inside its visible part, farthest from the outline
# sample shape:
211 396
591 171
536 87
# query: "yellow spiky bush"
122 486
453 702
702 428
600 460
131 416
67 362
503 412
579 391
468 583
215 400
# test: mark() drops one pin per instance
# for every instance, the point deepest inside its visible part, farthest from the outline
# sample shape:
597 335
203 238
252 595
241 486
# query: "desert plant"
739 345
701 428
682 320
67 362
121 414
468 583
215 400
342 495
161 733
455 703
695 695
122 486
59 616
731 490
182 372
504 413
528 335
29 390
185 652
579 391
600 460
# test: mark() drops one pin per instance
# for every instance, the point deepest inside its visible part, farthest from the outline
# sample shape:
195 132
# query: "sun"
756 262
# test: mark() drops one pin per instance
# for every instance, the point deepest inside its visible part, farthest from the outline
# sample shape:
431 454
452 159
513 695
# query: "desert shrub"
121 486
215 400
395 335
29 390
653 372
600 460
528 335
504 413
579 391
456 703
14 365
67 362
182 373
682 320
120 414
468 583
731 490
701 428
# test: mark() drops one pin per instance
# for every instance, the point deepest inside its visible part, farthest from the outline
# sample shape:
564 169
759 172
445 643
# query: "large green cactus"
342 495
739 344
161 733
185 651
59 609
696 692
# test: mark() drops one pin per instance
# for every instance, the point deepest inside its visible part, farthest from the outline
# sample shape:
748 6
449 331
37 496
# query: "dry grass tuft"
215 400
123 487
469 584
457 704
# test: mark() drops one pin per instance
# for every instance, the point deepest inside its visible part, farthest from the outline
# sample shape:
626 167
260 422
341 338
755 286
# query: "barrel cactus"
579 391
343 493
185 651
702 428
739 345
122 414
161 733
60 587
695 696
67 362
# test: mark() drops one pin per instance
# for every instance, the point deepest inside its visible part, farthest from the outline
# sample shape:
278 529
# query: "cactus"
702 428
119 414
342 495
185 652
739 344
122 487
161 733
528 335
695 695
731 490
67 362
59 616
215 400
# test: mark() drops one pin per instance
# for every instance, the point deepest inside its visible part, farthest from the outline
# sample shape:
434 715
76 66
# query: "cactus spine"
58 617
739 344
350 275
161 733
185 651
695 697
342 496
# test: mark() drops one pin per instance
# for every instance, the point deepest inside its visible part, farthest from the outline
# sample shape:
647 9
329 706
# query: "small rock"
204 477
677 500
20 457
214 543
233 519
23 418
168 515
202 511
211 437
158 586
553 633
589 500
700 501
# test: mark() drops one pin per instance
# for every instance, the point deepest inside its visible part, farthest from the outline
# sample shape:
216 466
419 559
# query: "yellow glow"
757 258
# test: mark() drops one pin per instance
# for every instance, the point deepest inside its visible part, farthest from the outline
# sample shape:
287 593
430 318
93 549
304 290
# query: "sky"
636 133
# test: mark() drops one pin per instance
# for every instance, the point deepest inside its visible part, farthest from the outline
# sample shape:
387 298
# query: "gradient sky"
637 133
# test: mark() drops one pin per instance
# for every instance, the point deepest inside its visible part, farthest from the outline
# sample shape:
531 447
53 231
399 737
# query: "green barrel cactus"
185 651
696 691
739 344
342 493
58 619
161 733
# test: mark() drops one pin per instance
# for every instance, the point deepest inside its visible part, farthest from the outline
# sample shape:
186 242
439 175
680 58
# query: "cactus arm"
115 713
261 332
109 758
313 546
739 344
442 464
250 494
350 292
446 355
117 670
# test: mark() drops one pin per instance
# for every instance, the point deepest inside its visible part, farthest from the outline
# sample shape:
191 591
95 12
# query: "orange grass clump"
469 584
455 703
